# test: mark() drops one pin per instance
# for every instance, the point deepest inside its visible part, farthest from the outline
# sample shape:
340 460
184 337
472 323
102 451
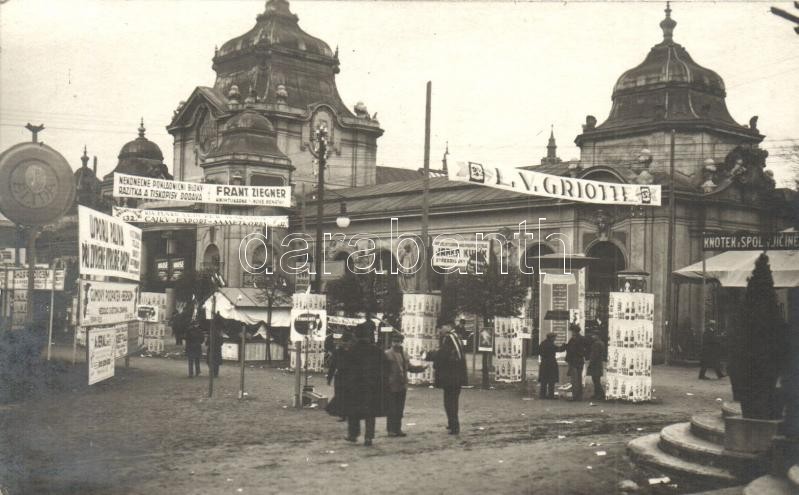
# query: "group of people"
187 325
371 383
579 349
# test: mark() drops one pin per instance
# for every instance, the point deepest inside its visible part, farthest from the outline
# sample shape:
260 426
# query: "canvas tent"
250 306
733 268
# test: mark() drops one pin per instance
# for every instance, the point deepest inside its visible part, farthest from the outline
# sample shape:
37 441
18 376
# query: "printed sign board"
750 241
106 303
131 186
102 342
17 279
108 247
121 347
554 186
449 252
310 323
135 215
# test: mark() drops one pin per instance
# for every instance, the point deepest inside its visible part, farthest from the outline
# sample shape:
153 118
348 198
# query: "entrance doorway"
602 278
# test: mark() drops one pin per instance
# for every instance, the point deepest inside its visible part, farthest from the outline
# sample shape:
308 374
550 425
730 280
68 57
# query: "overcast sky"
502 72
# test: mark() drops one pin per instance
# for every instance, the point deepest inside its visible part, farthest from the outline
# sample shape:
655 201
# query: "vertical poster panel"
631 337
121 340
309 310
419 317
508 335
102 342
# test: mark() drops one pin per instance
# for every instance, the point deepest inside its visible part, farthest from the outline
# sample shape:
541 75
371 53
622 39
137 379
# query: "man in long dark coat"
363 371
399 365
548 374
711 353
449 367
194 347
576 349
596 360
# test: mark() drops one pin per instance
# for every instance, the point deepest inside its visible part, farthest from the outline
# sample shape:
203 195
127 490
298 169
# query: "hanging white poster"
418 325
105 303
308 323
102 342
108 247
136 215
131 186
554 186
508 349
450 252
154 304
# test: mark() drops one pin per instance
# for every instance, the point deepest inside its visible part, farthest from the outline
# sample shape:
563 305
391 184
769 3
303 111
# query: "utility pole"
668 312
321 150
425 282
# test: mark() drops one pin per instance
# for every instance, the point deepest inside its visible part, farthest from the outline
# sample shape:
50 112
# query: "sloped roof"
384 175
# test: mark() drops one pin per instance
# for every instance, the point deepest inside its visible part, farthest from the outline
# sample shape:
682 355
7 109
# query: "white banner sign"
136 215
554 186
105 303
131 186
102 342
108 246
42 279
451 252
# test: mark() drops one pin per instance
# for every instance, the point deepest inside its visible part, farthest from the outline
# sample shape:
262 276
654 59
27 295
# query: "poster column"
419 318
508 345
630 333
309 327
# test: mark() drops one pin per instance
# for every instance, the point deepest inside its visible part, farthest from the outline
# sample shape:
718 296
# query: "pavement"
152 430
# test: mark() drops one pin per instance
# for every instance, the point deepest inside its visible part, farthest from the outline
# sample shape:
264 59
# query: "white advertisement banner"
108 246
106 303
310 323
553 186
154 304
136 215
450 253
102 342
131 186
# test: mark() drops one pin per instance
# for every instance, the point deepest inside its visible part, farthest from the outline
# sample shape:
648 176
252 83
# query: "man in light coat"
399 364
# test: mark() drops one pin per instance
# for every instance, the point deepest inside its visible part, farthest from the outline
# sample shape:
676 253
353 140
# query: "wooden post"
211 353
298 375
474 347
425 272
668 313
242 349
52 301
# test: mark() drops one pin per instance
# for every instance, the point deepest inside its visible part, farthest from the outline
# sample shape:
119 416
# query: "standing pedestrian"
337 370
548 369
399 364
711 352
363 371
214 356
449 366
575 357
194 347
596 360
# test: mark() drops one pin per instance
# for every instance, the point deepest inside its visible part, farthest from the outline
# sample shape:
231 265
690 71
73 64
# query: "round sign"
36 184
306 323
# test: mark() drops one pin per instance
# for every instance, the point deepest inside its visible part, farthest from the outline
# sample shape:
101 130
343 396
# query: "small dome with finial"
141 147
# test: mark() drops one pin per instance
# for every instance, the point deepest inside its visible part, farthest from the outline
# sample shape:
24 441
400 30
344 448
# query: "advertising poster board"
450 253
145 312
155 300
108 247
102 341
121 341
135 215
106 303
132 186
631 336
419 316
508 335
43 278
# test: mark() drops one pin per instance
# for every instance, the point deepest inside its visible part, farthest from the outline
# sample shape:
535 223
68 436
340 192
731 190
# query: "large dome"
276 27
141 147
666 90
248 133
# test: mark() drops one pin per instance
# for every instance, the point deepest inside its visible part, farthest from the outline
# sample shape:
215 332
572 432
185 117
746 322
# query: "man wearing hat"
711 352
576 349
449 365
399 364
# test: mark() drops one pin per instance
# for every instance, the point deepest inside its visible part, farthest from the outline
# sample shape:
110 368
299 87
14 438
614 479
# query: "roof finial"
444 158
141 128
85 158
668 24
552 148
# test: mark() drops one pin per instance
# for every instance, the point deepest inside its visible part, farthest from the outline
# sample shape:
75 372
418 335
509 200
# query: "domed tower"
288 76
668 90
87 185
140 157
247 154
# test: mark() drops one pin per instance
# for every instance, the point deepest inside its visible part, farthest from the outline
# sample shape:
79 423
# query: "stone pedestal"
749 435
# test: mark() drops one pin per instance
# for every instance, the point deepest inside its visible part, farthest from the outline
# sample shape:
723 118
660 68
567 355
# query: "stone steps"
771 485
708 426
731 409
646 451
679 441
